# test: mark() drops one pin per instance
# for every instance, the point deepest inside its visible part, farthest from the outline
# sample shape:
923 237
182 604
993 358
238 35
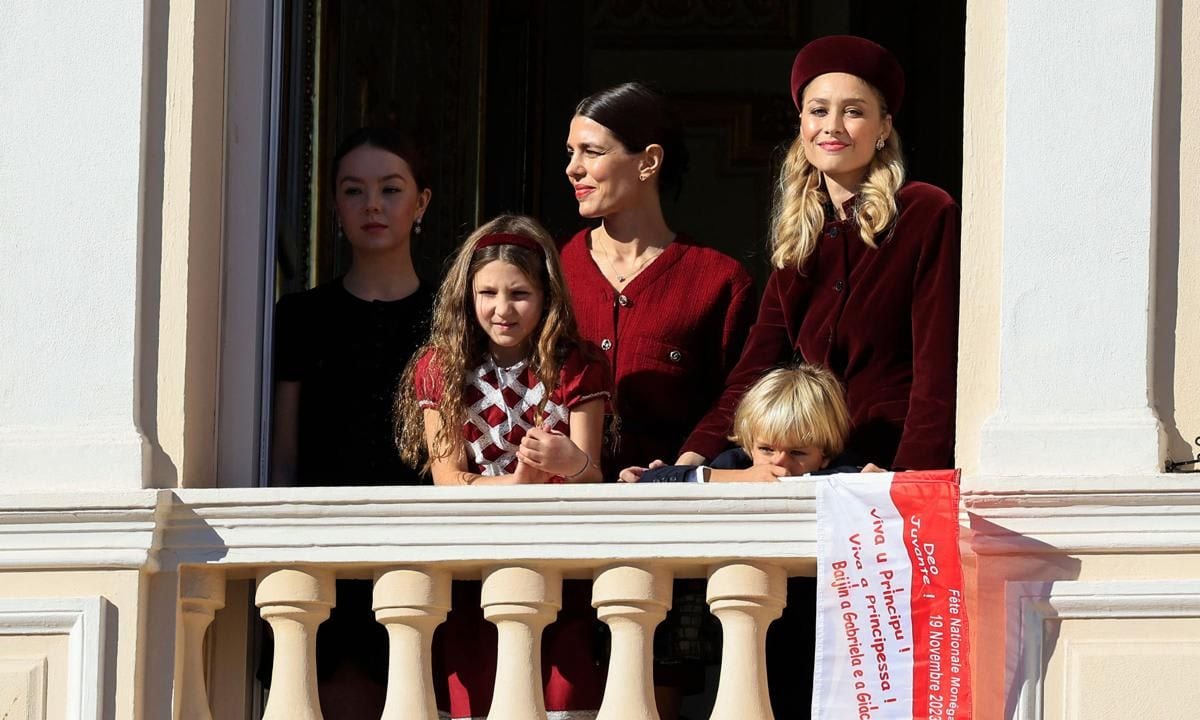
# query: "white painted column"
1080 163
71 149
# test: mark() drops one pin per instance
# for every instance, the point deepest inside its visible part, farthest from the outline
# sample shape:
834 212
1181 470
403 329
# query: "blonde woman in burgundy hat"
866 268
865 284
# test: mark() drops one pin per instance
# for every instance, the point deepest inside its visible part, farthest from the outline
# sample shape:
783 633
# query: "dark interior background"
490 88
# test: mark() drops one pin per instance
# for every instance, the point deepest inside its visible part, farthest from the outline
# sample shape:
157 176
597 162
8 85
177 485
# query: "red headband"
509 239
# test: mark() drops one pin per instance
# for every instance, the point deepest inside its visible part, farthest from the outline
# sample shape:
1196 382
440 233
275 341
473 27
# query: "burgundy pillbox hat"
853 55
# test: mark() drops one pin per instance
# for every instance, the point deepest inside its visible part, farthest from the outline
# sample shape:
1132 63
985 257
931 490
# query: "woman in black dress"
340 349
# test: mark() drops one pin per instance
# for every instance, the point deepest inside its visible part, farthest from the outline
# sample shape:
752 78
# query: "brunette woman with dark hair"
669 313
340 349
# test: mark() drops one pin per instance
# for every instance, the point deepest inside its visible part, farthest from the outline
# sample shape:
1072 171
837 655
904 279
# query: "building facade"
136 153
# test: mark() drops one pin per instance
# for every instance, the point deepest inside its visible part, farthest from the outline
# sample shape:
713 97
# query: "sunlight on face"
841 120
603 173
796 461
508 306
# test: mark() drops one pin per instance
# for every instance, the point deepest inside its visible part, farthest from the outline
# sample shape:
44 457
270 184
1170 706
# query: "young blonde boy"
793 421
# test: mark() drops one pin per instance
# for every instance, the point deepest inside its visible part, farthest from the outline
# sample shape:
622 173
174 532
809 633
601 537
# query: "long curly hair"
457 344
798 212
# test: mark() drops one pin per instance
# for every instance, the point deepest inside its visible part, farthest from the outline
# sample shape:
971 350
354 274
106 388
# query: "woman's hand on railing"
634 474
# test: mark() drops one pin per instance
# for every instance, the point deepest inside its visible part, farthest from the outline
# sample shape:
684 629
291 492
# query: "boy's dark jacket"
733 459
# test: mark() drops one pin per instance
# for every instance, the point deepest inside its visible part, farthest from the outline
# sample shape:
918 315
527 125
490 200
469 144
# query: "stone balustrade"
289 546
521 600
200 562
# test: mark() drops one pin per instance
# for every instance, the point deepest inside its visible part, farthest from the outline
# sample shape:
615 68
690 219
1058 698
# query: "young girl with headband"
506 392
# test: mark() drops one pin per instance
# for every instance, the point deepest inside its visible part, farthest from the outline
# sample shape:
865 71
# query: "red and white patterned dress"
502 404
501 408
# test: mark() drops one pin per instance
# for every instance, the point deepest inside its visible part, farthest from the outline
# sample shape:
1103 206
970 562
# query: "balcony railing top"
583 526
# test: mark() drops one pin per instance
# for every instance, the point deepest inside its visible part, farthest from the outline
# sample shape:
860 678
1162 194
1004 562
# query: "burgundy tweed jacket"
885 321
671 336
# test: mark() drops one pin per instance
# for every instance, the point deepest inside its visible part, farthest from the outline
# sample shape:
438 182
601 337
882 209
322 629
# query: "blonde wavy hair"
458 345
795 406
798 212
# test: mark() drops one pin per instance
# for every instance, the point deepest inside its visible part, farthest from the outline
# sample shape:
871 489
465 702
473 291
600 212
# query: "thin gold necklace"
637 268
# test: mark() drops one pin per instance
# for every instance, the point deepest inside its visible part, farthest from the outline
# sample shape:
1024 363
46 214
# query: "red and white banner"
892 639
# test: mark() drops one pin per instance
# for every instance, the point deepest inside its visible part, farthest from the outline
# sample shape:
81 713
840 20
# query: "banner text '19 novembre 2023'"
892 640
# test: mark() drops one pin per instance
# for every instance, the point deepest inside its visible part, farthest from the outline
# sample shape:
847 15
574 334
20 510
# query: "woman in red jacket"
670 314
866 279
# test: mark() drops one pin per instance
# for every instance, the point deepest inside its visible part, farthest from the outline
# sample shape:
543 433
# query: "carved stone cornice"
107 530
1117 514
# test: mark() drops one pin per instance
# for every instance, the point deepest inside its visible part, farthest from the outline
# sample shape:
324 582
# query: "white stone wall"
1080 202
1064 177
71 151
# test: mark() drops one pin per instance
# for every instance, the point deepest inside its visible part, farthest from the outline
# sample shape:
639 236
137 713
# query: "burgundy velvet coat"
671 336
885 321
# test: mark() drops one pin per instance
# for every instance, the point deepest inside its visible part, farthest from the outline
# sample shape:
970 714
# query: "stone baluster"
632 601
411 603
746 597
201 594
295 601
521 601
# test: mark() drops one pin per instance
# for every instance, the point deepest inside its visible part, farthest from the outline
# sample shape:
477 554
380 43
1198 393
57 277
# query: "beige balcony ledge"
578 526
522 542
575 527
292 543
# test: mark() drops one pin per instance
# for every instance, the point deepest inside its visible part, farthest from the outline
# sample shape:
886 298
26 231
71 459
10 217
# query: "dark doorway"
491 86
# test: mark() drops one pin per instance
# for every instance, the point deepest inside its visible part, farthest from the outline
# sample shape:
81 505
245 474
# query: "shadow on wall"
158 470
997 558
187 535
1167 240
109 691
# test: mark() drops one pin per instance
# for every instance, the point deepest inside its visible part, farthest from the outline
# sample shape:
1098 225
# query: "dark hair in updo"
394 141
638 116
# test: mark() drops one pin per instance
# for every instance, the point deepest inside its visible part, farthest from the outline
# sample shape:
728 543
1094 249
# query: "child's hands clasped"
551 452
527 474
